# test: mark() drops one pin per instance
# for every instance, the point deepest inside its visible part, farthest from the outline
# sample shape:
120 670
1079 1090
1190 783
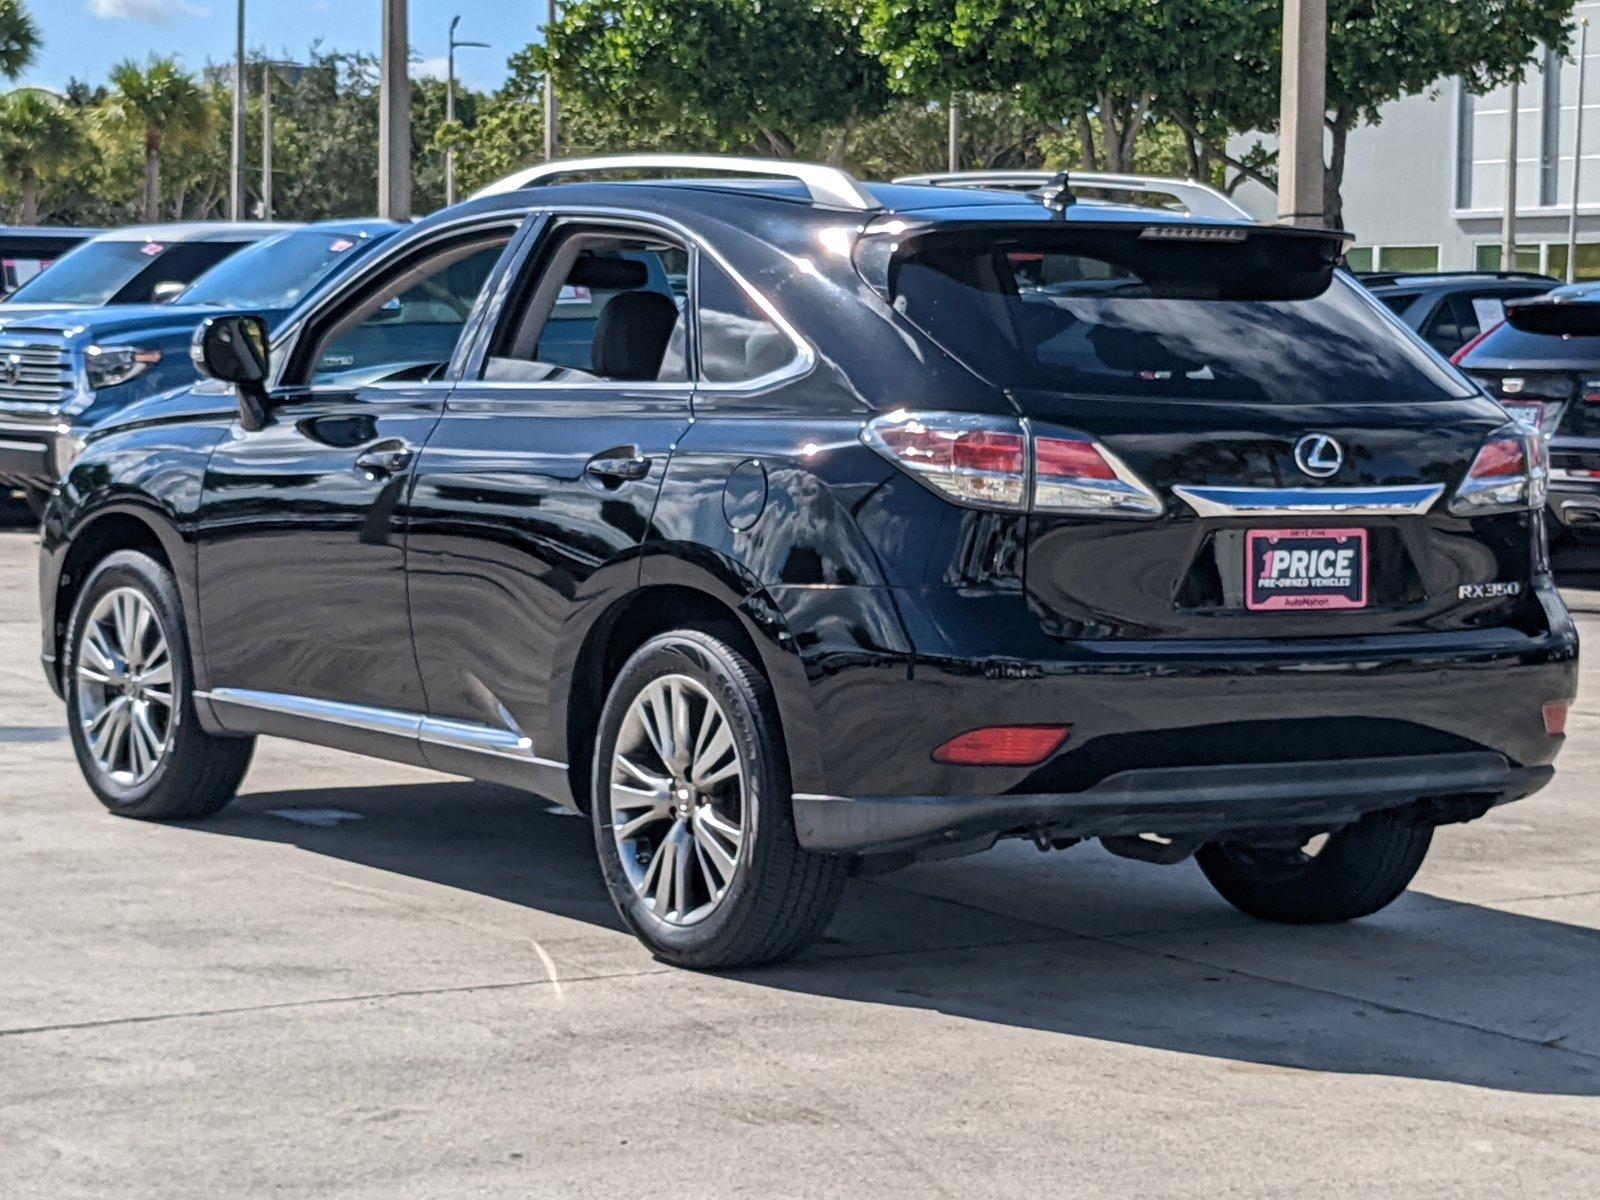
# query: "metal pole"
450 115
1302 112
1577 155
550 140
236 174
1508 220
394 117
266 141
953 154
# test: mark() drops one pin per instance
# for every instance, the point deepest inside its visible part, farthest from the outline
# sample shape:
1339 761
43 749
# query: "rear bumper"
1177 801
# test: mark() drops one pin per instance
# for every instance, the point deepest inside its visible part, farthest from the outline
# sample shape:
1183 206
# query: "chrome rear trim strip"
1409 500
439 731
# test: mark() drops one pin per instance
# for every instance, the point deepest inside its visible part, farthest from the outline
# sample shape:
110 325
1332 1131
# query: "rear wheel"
692 816
1352 872
130 708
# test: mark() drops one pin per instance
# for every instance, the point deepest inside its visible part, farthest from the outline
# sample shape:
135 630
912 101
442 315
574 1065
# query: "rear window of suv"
1505 344
1046 312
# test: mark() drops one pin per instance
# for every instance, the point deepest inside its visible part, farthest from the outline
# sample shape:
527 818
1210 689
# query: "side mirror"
168 289
234 350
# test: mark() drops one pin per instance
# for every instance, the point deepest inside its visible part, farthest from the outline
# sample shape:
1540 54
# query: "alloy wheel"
124 685
679 799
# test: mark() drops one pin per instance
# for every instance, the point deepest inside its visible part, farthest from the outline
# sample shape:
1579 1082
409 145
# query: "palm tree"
19 38
38 135
168 102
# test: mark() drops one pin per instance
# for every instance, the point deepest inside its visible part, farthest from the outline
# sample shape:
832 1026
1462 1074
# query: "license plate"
1305 569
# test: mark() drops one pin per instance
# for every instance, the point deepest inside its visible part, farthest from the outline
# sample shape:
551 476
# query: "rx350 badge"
1488 591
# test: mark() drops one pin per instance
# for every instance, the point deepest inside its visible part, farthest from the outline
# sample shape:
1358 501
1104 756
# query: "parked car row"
790 526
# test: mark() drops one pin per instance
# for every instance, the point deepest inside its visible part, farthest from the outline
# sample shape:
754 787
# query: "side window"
1442 330
180 265
598 306
738 341
406 328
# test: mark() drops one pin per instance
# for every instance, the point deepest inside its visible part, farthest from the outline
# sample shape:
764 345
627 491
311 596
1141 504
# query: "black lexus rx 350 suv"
790 527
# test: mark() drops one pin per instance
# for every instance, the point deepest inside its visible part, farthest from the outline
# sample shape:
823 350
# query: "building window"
1359 259
1465 104
1408 258
1527 256
1588 260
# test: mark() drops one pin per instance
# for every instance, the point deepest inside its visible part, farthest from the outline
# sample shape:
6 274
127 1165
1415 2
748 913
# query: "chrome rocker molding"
439 731
1408 500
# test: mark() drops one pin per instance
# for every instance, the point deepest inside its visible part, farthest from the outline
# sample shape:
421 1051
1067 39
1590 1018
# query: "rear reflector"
1555 718
1003 745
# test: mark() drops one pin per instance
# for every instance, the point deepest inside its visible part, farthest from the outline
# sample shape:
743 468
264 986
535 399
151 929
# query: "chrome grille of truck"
34 372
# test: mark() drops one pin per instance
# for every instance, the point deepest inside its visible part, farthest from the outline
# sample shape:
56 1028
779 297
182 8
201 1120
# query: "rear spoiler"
1176 260
1558 316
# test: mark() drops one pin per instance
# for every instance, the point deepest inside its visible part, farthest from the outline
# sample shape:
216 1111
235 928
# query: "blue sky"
84 38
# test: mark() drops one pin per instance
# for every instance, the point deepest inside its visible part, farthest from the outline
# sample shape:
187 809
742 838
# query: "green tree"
911 137
758 75
168 105
38 136
19 38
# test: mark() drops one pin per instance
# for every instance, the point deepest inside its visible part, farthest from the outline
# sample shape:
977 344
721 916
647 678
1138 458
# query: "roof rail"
829 186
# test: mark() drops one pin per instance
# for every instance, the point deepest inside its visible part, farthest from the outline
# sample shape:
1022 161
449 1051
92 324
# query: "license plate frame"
1321 581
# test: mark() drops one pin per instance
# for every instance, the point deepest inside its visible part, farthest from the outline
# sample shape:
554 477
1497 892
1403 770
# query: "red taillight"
1460 355
1555 718
961 450
1064 458
1003 746
1501 459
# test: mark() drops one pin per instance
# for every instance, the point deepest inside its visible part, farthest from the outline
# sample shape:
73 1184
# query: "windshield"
276 273
118 272
1039 312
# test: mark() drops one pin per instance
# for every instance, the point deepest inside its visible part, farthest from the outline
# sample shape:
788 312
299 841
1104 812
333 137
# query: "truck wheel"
130 707
691 811
1358 870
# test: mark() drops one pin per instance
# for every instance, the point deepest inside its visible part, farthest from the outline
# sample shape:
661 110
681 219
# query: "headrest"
631 335
608 274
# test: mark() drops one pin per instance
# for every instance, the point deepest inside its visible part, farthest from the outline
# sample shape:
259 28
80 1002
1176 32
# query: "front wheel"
692 817
1352 873
130 709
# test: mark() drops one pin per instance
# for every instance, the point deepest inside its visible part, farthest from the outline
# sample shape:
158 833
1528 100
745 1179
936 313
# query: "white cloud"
156 12
437 67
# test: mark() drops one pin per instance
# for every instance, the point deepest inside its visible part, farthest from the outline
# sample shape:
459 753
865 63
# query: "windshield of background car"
1047 312
1506 344
276 273
114 272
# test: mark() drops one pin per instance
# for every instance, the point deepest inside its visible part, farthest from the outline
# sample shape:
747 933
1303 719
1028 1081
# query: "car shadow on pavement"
1079 945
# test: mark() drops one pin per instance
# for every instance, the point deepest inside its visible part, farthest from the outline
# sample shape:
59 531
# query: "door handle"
385 458
617 464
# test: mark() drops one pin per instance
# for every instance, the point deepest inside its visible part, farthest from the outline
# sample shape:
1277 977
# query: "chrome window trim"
439 731
1404 500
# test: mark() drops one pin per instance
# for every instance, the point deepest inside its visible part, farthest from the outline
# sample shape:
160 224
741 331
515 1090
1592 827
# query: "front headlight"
108 366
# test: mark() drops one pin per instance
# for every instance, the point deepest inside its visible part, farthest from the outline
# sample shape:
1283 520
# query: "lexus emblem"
11 372
1318 455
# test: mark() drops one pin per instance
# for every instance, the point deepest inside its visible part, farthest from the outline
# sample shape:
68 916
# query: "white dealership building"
1425 188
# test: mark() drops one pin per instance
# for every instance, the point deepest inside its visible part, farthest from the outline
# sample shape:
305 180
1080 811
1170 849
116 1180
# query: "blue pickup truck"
64 368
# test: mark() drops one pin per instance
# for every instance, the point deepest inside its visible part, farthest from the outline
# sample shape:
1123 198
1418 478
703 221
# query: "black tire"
1359 870
198 773
781 896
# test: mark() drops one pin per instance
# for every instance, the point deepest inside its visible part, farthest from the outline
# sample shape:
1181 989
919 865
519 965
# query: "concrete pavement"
363 980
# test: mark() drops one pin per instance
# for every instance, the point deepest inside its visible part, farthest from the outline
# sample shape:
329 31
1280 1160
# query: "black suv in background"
1448 309
913 518
1543 364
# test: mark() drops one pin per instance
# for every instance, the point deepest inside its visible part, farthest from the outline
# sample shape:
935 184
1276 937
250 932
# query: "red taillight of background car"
1003 746
1460 355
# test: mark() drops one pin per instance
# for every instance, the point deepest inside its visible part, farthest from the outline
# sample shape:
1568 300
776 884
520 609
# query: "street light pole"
394 117
953 136
266 141
236 174
1302 113
1577 155
1508 219
450 109
549 91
